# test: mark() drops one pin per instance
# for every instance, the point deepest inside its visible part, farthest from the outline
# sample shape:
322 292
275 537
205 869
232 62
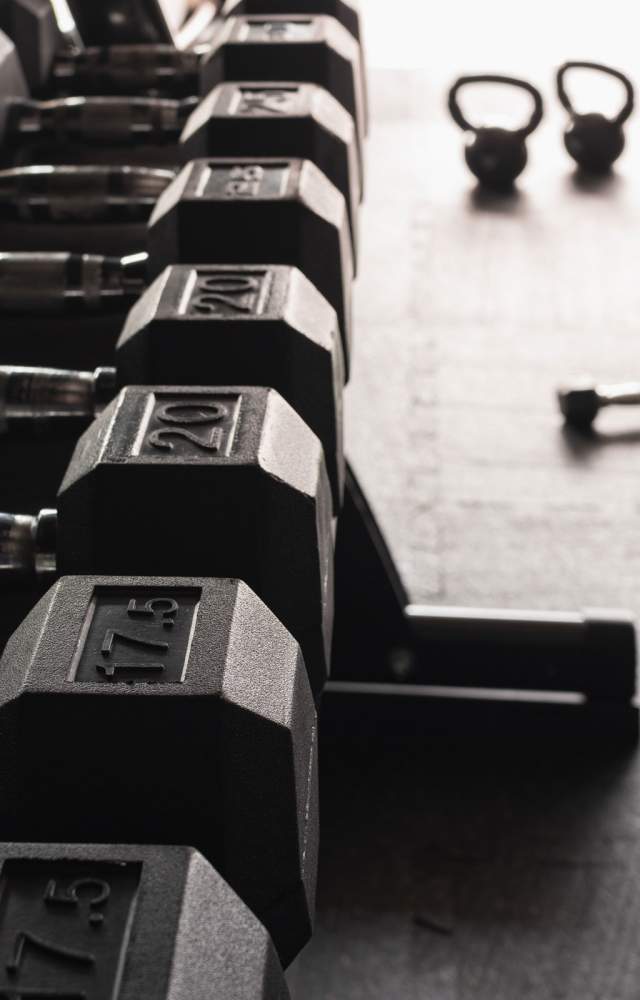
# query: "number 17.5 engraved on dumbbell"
167 710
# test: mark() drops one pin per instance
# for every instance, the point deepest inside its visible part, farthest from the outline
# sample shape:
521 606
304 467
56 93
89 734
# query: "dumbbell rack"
111 884
387 673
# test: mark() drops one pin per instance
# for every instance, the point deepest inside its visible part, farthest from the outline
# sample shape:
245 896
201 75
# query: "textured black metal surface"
239 464
120 21
284 119
124 921
275 47
244 324
293 214
32 26
173 710
345 11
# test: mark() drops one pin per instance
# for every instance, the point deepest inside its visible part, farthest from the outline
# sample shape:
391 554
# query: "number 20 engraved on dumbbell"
226 294
179 417
190 428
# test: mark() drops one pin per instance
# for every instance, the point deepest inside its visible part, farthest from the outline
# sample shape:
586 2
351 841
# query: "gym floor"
476 871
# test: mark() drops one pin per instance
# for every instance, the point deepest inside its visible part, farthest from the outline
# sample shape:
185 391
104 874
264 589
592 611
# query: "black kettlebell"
496 156
594 141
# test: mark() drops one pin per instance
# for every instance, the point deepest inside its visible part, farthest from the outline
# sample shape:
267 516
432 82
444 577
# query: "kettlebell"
594 141
496 156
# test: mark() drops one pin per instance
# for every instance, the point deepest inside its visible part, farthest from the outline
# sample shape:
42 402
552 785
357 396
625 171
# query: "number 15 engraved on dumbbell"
180 427
136 637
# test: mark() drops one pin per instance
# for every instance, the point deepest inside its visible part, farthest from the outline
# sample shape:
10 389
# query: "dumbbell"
313 49
34 30
235 119
82 920
39 30
580 403
345 11
113 21
246 325
195 481
292 213
99 66
180 710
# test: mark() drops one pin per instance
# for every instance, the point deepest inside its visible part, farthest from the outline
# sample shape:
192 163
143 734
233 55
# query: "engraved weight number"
162 611
271 102
25 938
166 607
219 292
180 416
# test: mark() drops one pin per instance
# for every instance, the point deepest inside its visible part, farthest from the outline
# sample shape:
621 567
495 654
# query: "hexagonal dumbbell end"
253 118
244 324
227 481
182 710
295 215
345 11
307 47
580 403
160 921
33 29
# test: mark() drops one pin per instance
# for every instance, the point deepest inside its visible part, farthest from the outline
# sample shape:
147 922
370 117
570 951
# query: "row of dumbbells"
164 688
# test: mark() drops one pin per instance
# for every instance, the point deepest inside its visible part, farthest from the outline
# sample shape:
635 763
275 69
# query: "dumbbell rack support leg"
383 642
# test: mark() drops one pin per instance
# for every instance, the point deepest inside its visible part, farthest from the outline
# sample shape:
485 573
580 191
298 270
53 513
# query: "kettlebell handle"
508 81
565 100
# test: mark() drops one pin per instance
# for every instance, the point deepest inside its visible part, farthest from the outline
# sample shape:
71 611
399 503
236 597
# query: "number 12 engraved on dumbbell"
175 427
64 928
136 638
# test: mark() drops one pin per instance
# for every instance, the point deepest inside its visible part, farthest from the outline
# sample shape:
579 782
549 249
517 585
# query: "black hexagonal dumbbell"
102 921
196 481
312 49
263 326
176 709
291 211
308 45
345 11
142 21
239 119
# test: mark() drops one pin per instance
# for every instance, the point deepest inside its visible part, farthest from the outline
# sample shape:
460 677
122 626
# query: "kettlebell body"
496 156
594 141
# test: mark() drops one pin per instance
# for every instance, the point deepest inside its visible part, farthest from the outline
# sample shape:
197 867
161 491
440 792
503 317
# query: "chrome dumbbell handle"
34 396
97 120
624 394
80 194
28 545
55 282
128 68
